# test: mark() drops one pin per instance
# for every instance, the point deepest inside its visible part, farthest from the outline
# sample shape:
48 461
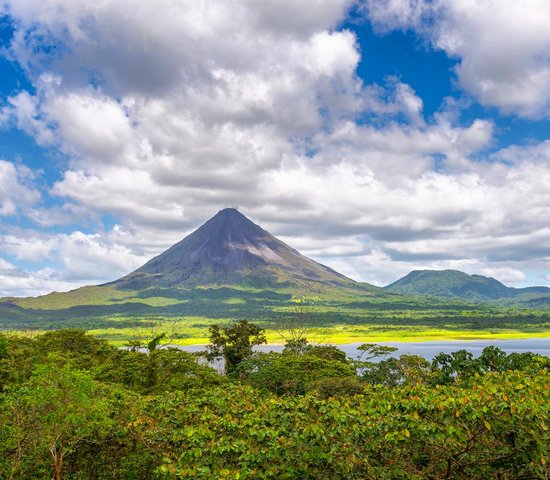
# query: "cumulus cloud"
15 191
15 281
191 104
395 98
382 269
188 107
22 111
503 45
84 259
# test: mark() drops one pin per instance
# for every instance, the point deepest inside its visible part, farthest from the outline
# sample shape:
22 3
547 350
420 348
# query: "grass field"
194 331
331 316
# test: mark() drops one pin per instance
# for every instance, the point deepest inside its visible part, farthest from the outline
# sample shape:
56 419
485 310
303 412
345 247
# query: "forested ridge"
74 407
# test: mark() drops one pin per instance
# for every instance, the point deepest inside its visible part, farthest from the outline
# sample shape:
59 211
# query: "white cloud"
29 284
379 268
17 282
396 98
22 111
15 194
79 258
503 45
188 107
91 125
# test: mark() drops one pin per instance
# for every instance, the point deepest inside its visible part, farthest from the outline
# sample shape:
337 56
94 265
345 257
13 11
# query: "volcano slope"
231 250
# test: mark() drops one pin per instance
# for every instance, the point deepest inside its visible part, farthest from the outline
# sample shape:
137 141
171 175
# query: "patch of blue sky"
513 130
108 221
405 56
402 54
12 76
17 146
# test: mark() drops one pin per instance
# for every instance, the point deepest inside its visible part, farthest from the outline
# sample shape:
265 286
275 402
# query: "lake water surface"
430 349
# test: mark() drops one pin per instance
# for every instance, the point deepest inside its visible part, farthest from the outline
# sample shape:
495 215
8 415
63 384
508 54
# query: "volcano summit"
230 249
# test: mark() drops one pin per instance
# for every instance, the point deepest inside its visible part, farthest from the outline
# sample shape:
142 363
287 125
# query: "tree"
494 428
326 352
493 359
57 420
405 370
448 367
369 352
291 374
297 324
153 338
234 343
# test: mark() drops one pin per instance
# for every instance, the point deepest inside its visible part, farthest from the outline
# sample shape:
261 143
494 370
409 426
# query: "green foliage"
495 428
74 408
448 368
370 351
234 343
17 361
155 342
3 346
75 346
326 352
405 370
336 386
296 346
54 424
289 374
160 371
335 315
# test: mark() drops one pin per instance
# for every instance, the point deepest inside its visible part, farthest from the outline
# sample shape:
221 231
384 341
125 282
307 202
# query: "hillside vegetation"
73 407
473 288
336 316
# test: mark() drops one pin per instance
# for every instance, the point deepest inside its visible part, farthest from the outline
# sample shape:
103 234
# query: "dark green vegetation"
474 288
230 268
339 319
73 407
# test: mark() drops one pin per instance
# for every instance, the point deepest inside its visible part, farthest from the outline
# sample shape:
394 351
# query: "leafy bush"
289 374
494 428
74 408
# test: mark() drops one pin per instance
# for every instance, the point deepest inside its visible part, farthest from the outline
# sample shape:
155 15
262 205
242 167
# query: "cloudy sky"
376 136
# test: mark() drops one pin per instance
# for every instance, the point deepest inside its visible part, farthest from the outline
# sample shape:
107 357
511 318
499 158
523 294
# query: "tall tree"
234 343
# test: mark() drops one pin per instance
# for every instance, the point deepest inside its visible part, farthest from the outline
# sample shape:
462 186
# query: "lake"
429 350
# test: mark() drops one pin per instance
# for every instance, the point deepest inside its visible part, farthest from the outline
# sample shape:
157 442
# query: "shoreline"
334 336
462 336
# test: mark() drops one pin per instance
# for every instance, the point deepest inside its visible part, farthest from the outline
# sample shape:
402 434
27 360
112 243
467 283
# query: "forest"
74 407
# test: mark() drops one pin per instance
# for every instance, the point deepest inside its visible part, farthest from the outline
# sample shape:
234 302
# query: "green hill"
459 285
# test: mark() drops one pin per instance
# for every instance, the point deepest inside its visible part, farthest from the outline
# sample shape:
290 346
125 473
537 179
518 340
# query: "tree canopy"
72 407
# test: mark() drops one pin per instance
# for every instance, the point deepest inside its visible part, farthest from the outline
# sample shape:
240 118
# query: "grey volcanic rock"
229 249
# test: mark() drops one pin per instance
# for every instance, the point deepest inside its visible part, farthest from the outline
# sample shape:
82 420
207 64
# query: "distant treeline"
74 407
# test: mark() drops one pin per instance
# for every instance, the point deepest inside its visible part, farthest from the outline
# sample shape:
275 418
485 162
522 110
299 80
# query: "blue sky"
374 136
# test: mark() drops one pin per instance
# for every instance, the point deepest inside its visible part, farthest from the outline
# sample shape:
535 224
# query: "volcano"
227 268
230 249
